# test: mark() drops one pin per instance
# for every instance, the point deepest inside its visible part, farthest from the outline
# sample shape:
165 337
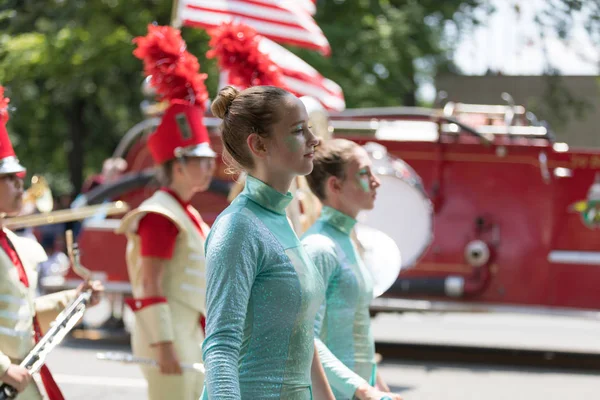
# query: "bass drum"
402 213
381 255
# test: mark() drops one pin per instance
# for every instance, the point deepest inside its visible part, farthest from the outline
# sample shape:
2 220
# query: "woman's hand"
366 392
97 290
167 359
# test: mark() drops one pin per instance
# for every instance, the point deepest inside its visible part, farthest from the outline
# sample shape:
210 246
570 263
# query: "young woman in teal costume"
263 291
342 179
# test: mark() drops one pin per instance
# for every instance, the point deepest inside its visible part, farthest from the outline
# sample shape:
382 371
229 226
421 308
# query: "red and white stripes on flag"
308 5
299 77
284 21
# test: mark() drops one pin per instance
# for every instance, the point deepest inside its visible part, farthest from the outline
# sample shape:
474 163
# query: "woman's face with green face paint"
359 187
292 144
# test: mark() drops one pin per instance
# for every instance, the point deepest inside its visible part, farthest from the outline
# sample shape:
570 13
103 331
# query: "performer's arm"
152 270
158 236
320 385
380 383
49 306
233 253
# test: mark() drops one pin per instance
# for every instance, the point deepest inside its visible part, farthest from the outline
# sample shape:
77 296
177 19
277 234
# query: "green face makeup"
292 144
363 179
293 141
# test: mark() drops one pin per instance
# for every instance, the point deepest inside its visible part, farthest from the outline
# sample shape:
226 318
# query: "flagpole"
175 21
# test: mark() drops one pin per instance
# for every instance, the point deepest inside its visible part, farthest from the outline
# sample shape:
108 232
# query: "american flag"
299 77
284 21
308 5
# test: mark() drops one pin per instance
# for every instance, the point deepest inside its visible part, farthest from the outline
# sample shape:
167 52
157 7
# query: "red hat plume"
236 48
10 164
175 72
3 107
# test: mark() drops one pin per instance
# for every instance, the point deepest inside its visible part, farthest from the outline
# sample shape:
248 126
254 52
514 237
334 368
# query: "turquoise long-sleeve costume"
343 325
263 293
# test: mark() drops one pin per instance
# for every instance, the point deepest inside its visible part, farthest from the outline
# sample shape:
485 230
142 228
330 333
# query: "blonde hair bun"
222 103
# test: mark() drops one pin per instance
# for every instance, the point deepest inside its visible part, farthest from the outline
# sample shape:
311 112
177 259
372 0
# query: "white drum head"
404 214
382 255
402 209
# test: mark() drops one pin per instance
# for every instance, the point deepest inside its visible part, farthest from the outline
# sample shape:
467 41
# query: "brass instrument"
38 195
73 252
61 326
68 215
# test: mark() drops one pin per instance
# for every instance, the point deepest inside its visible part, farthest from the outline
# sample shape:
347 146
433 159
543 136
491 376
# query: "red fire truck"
480 207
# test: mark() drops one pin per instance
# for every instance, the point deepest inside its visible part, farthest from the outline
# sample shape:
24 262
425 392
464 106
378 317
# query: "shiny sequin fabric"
263 293
343 324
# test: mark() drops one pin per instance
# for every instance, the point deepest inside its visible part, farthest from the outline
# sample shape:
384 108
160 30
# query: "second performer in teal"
342 179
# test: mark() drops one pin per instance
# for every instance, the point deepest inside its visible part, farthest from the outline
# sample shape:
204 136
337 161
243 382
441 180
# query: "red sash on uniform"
52 389
203 324
50 385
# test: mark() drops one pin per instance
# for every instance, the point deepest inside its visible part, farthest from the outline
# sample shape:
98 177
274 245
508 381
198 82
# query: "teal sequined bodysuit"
343 324
263 293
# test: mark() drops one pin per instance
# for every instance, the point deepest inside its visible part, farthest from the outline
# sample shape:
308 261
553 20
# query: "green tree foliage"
75 86
561 18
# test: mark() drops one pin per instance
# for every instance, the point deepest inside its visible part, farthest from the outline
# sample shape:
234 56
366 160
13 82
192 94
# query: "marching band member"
23 318
263 292
165 250
342 179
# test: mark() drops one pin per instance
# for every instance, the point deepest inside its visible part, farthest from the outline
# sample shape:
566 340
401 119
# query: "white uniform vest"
18 304
184 274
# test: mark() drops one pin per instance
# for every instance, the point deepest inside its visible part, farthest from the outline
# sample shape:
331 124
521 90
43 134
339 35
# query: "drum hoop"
415 181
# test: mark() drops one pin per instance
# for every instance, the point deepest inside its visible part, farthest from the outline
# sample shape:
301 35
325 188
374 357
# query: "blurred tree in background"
73 82
561 17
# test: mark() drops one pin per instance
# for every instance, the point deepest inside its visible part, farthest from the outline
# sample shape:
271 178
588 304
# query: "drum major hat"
181 133
9 163
174 74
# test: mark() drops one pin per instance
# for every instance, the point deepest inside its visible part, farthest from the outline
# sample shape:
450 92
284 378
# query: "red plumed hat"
174 74
236 48
9 164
